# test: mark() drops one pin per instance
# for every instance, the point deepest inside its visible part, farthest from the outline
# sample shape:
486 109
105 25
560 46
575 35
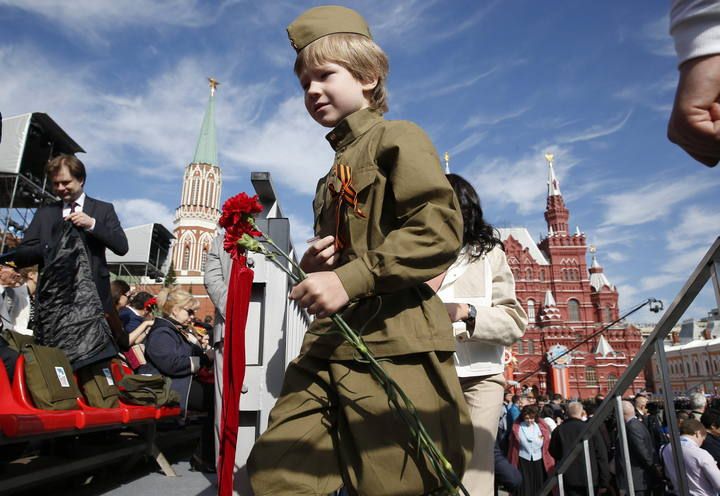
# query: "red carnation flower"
237 219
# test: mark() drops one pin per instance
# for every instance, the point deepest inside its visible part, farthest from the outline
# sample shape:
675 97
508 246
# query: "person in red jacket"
528 450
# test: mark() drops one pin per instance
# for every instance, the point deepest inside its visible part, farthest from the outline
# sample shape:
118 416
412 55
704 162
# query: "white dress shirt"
67 209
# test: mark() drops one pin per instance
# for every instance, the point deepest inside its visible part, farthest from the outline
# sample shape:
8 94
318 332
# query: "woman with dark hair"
529 451
479 295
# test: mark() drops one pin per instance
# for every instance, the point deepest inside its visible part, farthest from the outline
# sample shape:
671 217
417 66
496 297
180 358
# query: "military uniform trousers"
333 426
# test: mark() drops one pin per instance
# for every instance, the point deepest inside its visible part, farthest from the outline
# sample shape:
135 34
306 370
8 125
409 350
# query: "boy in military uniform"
387 221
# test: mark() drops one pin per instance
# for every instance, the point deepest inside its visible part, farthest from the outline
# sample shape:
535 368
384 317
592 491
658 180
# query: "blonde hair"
167 299
360 55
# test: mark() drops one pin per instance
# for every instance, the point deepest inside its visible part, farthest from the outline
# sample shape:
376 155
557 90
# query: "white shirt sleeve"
695 27
709 467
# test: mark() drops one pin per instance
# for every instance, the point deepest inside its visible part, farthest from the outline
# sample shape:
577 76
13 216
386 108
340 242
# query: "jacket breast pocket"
362 180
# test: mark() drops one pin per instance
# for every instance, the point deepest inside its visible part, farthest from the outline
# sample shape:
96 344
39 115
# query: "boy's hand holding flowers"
321 293
320 256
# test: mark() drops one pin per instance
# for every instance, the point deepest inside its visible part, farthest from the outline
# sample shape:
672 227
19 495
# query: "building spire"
206 150
553 184
447 162
598 279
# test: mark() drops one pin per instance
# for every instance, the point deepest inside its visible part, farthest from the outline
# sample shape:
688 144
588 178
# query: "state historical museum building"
566 302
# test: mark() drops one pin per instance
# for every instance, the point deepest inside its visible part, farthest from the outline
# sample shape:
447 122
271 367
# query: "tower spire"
556 214
206 149
553 184
447 162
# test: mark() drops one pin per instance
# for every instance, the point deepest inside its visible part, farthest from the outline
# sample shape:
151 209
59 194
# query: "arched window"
590 376
573 310
204 258
528 274
186 258
519 348
612 380
697 369
607 316
542 274
531 347
531 310
195 199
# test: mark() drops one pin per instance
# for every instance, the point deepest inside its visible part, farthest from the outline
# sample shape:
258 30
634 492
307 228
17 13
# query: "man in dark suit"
643 462
98 225
96 219
563 440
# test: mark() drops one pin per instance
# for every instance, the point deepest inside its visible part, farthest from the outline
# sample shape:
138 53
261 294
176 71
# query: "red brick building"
566 302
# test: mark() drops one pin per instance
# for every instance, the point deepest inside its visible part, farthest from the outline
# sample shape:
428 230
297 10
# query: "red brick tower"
566 302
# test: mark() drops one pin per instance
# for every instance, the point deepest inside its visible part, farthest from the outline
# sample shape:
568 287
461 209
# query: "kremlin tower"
197 216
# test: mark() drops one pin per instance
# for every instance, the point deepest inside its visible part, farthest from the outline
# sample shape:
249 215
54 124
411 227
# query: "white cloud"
160 122
617 256
656 94
523 180
90 18
491 120
139 211
656 37
288 144
653 201
470 21
698 226
448 89
300 231
469 142
595 131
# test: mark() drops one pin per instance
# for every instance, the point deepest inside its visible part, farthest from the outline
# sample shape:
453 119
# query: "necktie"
73 207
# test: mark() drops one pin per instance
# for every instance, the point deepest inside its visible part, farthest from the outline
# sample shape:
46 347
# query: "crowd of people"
536 433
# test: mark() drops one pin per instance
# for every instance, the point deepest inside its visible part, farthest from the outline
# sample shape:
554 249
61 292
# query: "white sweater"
695 27
488 284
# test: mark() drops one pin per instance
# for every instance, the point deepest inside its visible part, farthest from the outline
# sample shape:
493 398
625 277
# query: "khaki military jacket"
403 228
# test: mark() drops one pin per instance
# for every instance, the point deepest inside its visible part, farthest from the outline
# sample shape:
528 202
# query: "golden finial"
549 158
214 83
593 249
447 163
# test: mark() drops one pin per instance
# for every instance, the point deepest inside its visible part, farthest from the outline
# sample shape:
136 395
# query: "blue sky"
497 84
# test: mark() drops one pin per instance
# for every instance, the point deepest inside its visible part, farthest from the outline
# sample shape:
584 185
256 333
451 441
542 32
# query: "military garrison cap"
322 21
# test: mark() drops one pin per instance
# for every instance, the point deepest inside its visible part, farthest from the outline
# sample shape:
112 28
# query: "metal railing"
708 268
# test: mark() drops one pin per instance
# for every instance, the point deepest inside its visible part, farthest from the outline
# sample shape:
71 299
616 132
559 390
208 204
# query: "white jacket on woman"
488 284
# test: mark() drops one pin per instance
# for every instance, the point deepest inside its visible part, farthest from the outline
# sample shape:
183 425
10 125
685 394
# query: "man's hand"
320 256
81 220
695 120
321 294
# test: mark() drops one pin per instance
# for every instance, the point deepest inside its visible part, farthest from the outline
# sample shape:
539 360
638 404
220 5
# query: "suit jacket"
642 456
45 230
217 277
563 440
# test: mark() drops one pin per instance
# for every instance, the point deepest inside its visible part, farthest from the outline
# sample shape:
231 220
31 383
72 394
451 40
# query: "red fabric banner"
236 313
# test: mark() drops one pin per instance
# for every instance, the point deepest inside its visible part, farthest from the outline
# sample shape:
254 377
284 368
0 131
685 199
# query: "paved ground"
134 476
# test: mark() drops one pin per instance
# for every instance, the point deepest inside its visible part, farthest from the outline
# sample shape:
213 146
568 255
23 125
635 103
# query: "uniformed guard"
386 220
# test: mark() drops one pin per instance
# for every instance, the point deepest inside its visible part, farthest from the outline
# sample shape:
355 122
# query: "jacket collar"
352 127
